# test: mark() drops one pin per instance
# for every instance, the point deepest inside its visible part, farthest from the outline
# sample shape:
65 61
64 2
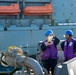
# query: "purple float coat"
50 52
68 49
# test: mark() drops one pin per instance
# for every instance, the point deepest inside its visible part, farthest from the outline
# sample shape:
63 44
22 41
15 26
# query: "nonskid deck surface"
5 70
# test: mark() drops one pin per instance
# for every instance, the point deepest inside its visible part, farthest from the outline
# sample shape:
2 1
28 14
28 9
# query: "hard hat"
48 32
69 32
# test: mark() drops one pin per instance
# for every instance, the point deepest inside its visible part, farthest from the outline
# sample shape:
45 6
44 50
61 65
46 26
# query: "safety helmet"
69 32
48 32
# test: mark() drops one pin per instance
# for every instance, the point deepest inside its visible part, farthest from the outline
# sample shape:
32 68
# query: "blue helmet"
69 32
48 32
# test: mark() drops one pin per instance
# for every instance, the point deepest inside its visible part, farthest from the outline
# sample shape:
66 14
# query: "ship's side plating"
22 30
